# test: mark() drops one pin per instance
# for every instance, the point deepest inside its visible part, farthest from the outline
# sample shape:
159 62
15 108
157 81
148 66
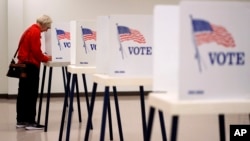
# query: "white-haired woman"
31 54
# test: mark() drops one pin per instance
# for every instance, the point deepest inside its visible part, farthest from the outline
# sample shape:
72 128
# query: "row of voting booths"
117 45
191 50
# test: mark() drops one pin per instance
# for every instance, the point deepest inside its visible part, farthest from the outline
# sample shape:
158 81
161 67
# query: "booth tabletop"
173 105
81 69
56 64
122 80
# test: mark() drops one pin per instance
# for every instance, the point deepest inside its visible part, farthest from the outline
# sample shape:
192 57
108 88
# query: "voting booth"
57 42
83 43
201 50
124 45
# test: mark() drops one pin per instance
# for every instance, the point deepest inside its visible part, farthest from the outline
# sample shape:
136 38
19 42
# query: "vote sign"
57 42
83 41
214 49
126 44
201 50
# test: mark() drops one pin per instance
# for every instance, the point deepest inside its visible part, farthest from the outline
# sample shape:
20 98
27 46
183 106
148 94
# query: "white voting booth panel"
102 55
209 57
124 45
57 42
83 43
166 49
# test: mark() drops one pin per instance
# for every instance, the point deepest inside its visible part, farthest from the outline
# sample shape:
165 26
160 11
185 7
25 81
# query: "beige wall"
4 46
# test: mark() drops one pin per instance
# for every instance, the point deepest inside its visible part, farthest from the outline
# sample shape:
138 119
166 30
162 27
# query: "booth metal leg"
110 119
48 100
78 99
64 73
104 114
64 106
222 127
86 95
150 123
143 113
41 96
174 128
91 108
118 114
162 123
71 106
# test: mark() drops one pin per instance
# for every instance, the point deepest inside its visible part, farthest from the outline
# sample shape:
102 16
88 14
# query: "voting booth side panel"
102 54
130 50
166 49
57 42
214 50
73 40
84 41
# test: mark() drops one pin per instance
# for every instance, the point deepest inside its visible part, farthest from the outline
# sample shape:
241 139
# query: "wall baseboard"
56 95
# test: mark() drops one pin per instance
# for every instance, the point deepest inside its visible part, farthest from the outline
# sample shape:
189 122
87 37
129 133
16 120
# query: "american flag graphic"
88 34
61 34
205 32
127 34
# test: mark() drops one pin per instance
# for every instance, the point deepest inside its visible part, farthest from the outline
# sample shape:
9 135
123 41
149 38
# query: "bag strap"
22 38
16 52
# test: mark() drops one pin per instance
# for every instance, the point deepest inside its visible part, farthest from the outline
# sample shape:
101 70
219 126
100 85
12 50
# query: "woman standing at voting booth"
30 53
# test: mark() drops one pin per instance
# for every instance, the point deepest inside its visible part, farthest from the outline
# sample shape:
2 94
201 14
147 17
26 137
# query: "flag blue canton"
201 25
123 30
86 31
